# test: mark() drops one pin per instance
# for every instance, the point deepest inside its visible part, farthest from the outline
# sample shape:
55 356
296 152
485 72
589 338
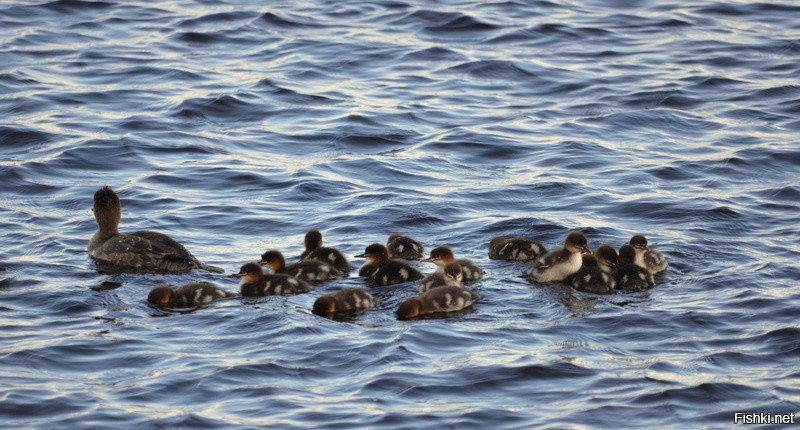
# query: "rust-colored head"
313 240
250 273
274 260
375 253
441 256
576 242
324 306
161 295
408 309
107 209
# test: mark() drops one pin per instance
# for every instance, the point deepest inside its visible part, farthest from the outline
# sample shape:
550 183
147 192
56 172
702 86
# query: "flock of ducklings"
602 271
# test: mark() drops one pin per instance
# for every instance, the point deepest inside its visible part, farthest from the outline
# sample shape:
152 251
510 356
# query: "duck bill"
235 275
430 260
361 256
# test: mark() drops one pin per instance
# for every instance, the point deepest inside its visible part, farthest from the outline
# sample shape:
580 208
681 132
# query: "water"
237 126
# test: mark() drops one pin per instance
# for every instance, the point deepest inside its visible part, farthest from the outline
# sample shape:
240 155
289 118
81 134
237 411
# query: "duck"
137 252
628 275
404 247
590 277
559 264
517 249
443 255
381 270
442 299
186 296
255 283
344 300
646 257
451 276
307 270
606 257
315 251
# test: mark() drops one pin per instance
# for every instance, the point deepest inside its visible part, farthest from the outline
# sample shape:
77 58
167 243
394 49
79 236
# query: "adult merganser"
137 252
404 247
606 257
590 277
315 251
255 283
186 296
442 299
630 276
646 257
557 265
382 270
308 270
451 276
443 255
517 249
346 299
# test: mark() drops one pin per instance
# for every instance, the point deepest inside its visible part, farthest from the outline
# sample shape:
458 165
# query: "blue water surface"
236 126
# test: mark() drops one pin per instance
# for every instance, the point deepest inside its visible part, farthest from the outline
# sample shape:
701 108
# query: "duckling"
646 257
518 249
557 265
346 299
255 283
451 276
186 296
606 257
307 270
591 278
404 247
137 252
384 271
628 275
315 251
443 255
442 299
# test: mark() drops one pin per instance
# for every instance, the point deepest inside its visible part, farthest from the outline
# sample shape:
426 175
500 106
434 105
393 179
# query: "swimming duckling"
590 277
307 270
255 283
606 257
382 270
557 265
443 255
628 275
315 251
451 276
186 296
404 247
646 257
346 299
441 299
518 249
140 251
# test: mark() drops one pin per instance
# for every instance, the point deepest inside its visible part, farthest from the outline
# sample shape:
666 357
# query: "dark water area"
235 127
